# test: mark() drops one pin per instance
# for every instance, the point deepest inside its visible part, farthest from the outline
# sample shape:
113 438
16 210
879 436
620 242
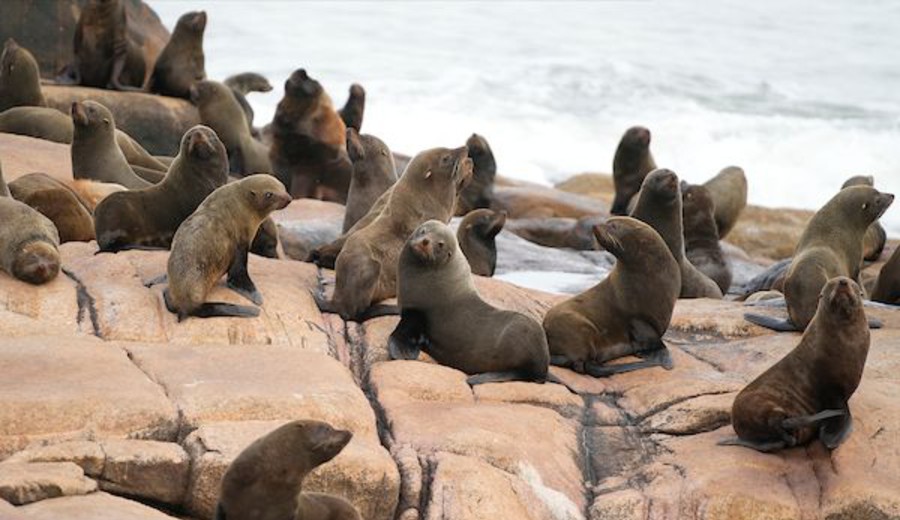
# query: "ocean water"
801 94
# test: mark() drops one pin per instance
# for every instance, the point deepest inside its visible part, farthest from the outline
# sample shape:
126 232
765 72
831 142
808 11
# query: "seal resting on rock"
181 62
479 193
373 174
701 237
728 190
70 214
476 236
20 78
95 154
805 395
632 162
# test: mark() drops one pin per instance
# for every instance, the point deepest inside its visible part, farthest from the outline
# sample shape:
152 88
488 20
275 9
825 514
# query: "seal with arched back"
181 62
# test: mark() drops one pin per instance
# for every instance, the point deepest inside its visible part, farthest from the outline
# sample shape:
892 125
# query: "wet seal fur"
701 236
612 319
477 239
373 174
20 78
443 315
61 204
479 193
181 62
805 395
354 108
149 217
215 241
264 482
728 190
632 162
95 153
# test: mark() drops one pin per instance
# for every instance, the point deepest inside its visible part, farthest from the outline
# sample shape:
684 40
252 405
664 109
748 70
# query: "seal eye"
865 205
268 195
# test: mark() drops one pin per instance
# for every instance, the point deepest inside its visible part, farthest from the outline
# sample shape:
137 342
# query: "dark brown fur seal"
264 482
831 246
729 193
366 268
480 192
612 319
352 113
95 154
181 62
214 241
373 174
632 162
701 237
309 143
805 395
443 314
243 84
61 204
29 242
476 236
20 78
876 236
659 204
220 111
571 233
105 54
149 217
887 286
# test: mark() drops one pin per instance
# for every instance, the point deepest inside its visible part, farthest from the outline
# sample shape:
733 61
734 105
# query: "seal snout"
37 264
79 115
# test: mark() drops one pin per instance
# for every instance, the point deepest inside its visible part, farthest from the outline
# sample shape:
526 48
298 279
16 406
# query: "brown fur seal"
264 482
326 256
443 314
831 246
266 241
876 236
729 193
476 236
701 237
20 78
149 217
804 396
887 287
220 111
243 84
373 174
480 192
659 204
61 204
95 154
29 242
309 142
612 319
352 113
366 268
632 162
105 54
181 62
571 233
214 241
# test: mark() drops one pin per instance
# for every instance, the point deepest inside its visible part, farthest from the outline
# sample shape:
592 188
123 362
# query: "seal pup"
477 239
830 246
69 213
701 237
611 319
805 395
352 113
29 242
95 154
442 313
366 268
309 142
887 286
220 111
20 78
632 162
876 236
265 481
373 174
215 241
243 84
181 62
149 217
106 56
728 190
659 204
479 193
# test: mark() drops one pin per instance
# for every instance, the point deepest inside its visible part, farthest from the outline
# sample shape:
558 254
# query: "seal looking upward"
476 236
701 236
20 78
480 192
632 162
95 154
181 62
354 108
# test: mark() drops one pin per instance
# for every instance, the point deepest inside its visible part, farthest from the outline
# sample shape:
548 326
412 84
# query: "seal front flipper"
834 431
598 370
239 279
373 311
408 337
765 447
648 345
497 377
792 423
778 325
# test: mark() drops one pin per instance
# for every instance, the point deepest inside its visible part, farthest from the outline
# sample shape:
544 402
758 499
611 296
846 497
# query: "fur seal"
480 192
309 142
149 217
830 246
632 162
876 236
887 286
729 194
214 241
243 84
352 113
701 237
38 122
804 395
4 189
20 78
611 319
443 314
569 233
264 481
95 154
61 204
220 111
373 174
181 62
105 54
29 242
659 204
366 268
476 236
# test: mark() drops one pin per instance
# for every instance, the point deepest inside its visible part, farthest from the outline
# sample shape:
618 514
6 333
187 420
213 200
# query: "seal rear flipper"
833 432
222 309
776 324
875 323
408 338
498 377
659 358
792 423
220 512
239 279
765 447
115 248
